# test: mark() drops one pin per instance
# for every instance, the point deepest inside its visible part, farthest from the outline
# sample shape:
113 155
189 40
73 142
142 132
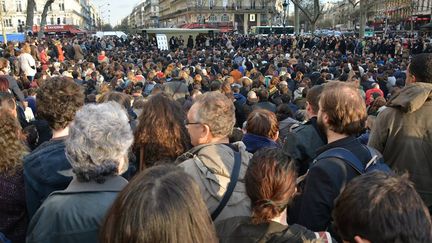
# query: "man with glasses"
211 162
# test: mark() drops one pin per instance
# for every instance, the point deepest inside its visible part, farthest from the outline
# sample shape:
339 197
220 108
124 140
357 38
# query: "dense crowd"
223 138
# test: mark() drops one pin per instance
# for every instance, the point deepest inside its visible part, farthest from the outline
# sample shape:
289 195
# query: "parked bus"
278 30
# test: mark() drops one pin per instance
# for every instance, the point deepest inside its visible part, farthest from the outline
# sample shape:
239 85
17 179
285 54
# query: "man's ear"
358 239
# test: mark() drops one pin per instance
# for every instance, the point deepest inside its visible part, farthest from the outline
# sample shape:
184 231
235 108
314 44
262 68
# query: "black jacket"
241 230
303 142
323 184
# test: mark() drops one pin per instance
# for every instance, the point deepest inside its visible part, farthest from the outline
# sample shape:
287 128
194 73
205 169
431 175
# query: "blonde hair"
26 48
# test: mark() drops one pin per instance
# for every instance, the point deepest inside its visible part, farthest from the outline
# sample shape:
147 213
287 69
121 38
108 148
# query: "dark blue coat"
45 171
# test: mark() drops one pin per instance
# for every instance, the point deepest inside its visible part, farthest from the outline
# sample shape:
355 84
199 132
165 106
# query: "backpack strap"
345 155
231 185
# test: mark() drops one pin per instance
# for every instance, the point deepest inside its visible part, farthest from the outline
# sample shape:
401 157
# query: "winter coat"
241 230
13 213
403 134
210 165
75 214
45 171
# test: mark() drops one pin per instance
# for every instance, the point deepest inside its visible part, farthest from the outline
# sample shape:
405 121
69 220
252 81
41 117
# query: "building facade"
227 15
81 13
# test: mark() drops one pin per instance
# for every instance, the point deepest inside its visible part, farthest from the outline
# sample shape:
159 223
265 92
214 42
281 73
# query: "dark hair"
58 99
382 208
283 111
345 108
263 123
160 133
421 67
262 94
313 96
270 183
4 84
161 204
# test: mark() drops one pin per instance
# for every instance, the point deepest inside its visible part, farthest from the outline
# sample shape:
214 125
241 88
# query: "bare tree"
312 10
31 5
43 18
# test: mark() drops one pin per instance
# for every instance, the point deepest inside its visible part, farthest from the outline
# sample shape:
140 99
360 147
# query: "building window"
212 18
19 6
225 18
4 5
58 20
7 22
50 8
64 20
211 4
61 6
51 20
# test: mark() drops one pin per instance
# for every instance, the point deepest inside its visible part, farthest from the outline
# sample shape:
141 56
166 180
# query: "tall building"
81 13
144 15
227 15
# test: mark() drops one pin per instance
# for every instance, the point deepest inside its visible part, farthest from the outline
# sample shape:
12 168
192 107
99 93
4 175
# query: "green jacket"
403 134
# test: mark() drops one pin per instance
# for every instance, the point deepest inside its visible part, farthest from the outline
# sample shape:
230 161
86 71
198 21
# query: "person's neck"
281 218
332 136
61 132
217 140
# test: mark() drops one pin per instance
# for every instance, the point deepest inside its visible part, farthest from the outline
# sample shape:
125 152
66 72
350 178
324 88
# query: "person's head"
11 143
7 103
121 98
312 100
160 133
58 100
270 183
26 48
283 111
4 66
377 207
210 119
341 109
98 142
420 69
263 123
161 204
4 84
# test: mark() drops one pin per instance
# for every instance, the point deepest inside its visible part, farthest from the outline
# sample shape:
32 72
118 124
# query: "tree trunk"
30 14
43 18
296 20
362 18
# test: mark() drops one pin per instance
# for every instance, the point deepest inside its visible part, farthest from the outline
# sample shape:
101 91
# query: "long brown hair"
270 183
160 134
12 149
162 204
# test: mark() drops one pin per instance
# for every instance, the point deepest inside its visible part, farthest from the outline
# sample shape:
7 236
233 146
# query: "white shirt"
26 62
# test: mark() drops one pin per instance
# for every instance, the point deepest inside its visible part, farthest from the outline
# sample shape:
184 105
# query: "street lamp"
285 5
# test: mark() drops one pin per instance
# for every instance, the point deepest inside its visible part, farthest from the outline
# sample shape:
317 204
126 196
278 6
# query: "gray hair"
99 137
216 111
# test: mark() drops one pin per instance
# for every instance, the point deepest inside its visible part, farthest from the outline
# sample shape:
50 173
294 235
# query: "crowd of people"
227 138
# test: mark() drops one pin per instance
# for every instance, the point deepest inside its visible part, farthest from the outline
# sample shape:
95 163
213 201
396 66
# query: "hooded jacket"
44 172
255 142
210 165
403 134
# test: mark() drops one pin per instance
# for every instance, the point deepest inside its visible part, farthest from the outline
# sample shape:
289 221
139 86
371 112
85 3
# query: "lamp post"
285 5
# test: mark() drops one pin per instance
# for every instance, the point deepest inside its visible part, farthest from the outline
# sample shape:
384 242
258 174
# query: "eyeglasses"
186 122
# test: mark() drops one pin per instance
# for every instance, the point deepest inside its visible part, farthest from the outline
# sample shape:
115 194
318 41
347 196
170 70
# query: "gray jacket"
211 165
75 214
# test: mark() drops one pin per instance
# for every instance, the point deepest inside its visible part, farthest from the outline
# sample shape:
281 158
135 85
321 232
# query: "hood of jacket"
254 142
412 97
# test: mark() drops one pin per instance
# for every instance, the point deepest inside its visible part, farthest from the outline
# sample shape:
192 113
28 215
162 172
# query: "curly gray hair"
99 138
217 111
